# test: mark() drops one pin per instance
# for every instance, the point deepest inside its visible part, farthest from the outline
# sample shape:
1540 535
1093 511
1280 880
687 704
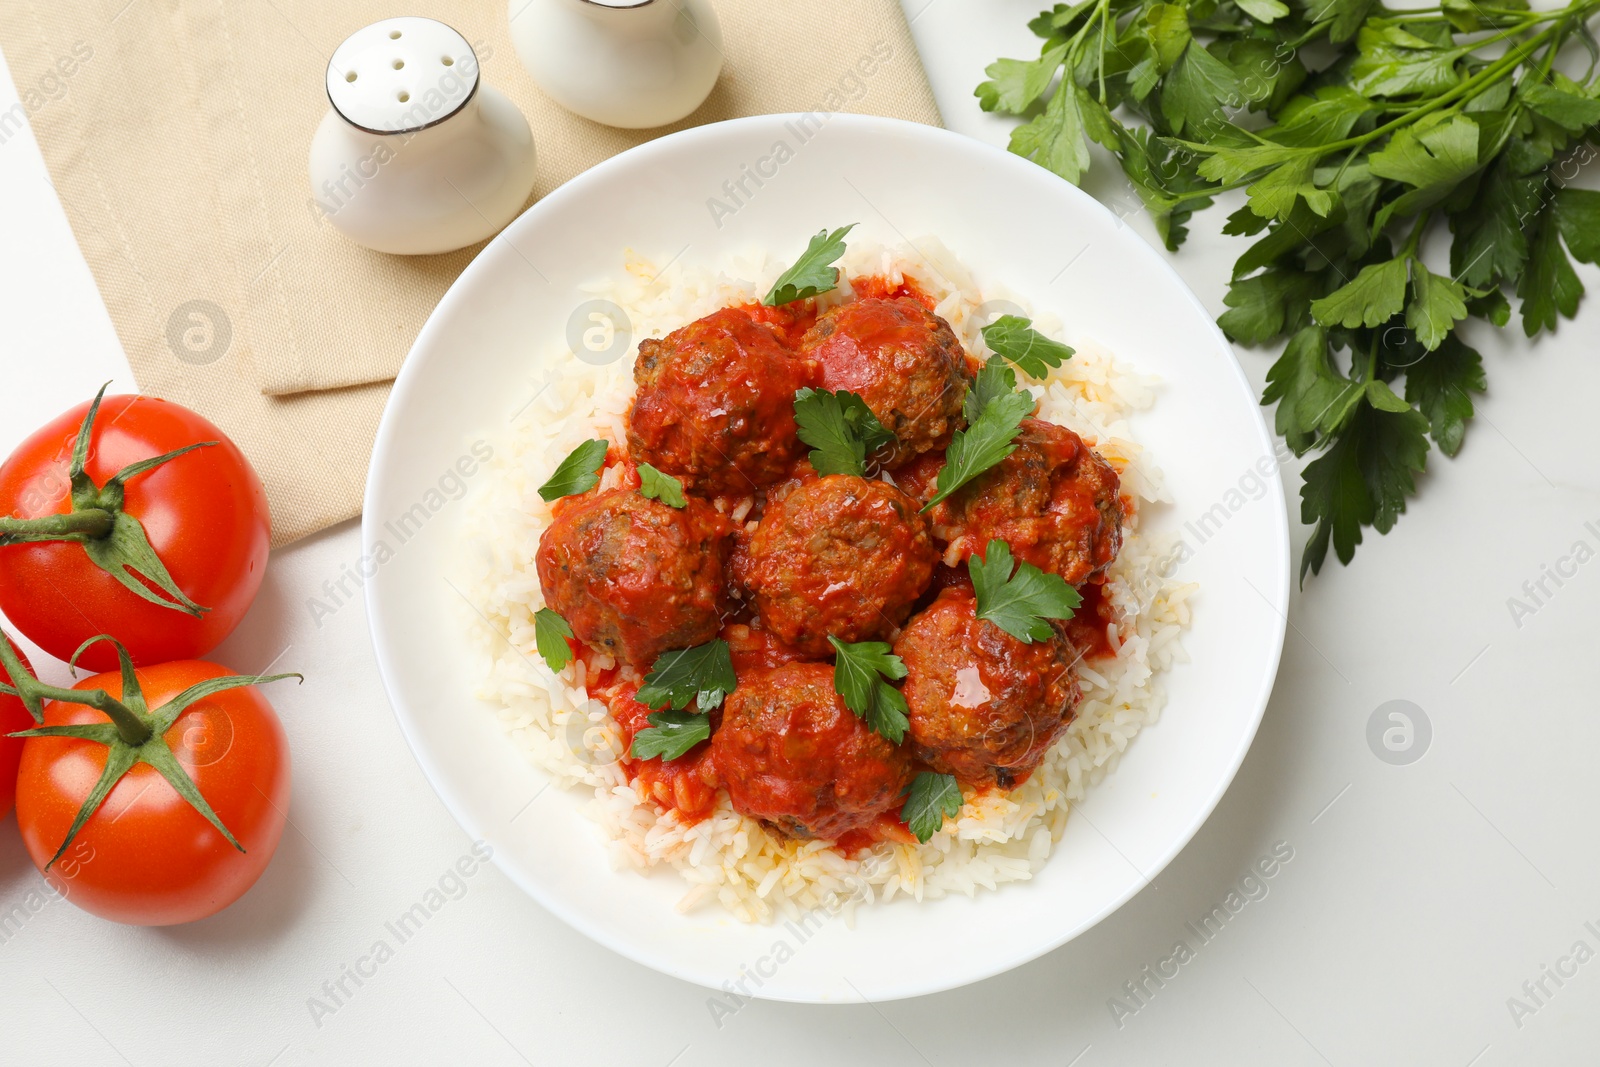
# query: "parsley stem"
1515 56
1100 67
1310 35
1549 59
1213 190
1415 240
1218 27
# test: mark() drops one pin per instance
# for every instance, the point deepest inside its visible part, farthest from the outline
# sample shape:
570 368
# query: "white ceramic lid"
402 74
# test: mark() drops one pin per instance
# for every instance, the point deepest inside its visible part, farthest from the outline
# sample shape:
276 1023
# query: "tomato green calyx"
114 540
136 733
24 686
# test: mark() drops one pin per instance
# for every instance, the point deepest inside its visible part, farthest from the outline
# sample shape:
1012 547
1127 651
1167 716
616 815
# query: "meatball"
715 404
900 358
1054 500
983 705
635 577
790 753
838 556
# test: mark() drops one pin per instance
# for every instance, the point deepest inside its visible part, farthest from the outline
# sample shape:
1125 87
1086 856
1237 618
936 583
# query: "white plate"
480 357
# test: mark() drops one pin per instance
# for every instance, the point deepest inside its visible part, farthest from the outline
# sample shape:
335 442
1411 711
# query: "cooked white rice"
728 858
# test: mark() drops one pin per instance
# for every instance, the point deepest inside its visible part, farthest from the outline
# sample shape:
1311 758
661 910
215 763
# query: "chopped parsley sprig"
995 379
861 675
550 635
841 430
1374 131
1019 603
993 419
1014 337
813 273
654 485
670 734
930 799
701 676
579 472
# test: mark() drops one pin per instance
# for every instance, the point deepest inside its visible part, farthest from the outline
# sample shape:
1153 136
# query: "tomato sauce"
791 321
876 286
596 678
1088 624
886 827
948 578
687 785
754 649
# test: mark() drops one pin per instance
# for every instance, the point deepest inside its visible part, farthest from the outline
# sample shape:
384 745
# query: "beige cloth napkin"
176 133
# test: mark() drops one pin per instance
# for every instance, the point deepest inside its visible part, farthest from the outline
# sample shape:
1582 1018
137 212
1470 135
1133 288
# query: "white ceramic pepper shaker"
416 155
628 63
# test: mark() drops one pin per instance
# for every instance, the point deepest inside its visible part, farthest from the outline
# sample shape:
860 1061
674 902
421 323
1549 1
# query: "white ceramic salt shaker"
628 63
416 155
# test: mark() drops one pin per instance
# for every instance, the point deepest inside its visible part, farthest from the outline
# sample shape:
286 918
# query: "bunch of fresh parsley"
1356 132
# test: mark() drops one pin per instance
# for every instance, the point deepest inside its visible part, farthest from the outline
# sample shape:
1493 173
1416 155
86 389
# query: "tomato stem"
130 726
90 523
12 662
133 730
113 539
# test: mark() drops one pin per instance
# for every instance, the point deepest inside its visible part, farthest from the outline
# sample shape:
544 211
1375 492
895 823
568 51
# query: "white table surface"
1419 898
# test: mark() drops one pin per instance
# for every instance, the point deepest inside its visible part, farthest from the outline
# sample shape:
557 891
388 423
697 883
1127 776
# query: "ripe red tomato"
204 513
13 717
146 857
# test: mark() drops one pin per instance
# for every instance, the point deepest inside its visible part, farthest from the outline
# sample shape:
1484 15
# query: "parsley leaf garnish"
859 674
671 734
1054 138
841 430
1017 83
1014 337
1549 285
658 486
813 272
1440 386
986 441
1372 298
1437 303
1489 243
1577 214
1561 100
1019 604
550 634
579 472
1362 480
995 379
930 799
1268 305
702 675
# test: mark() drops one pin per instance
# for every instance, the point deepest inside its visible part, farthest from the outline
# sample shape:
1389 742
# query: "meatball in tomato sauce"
634 577
903 361
836 556
983 705
715 404
790 753
1054 500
